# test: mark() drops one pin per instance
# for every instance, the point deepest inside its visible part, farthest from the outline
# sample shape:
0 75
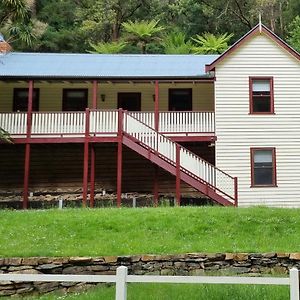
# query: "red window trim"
274 183
251 79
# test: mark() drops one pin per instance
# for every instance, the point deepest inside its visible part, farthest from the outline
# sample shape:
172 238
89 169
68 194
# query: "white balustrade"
179 121
58 123
102 121
189 121
14 123
145 117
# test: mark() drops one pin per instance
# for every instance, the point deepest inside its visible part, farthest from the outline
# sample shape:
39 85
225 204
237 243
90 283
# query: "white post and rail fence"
122 278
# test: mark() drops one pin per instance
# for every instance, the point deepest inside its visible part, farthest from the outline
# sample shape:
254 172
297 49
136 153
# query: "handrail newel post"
120 156
86 157
235 191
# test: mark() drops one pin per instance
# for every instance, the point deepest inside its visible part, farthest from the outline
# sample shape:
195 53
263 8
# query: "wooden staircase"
177 160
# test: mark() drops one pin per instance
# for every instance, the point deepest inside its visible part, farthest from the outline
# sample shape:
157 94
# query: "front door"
129 101
180 100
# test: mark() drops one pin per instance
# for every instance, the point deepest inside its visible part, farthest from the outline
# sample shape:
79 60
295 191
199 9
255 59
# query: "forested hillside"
141 26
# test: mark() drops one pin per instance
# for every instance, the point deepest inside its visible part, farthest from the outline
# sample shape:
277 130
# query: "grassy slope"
83 232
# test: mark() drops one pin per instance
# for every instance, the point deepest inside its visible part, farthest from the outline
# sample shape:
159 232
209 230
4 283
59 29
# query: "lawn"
179 292
112 231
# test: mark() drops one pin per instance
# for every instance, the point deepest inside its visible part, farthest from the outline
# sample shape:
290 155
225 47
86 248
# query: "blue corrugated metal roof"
58 65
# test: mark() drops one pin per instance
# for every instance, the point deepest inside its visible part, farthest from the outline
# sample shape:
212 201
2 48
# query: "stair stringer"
200 186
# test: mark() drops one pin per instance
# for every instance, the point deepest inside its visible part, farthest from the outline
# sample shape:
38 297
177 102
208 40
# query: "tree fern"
109 48
175 43
142 32
209 43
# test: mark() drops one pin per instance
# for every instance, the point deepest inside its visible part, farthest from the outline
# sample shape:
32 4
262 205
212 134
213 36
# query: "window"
20 101
180 100
261 95
263 167
129 101
75 99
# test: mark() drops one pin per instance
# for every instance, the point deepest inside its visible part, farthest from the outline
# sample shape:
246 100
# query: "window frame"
64 97
189 93
138 96
262 78
37 100
274 166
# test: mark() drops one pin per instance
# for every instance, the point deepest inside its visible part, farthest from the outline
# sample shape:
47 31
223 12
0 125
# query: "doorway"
129 101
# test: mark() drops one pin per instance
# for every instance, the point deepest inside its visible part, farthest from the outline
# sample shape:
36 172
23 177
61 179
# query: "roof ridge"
112 55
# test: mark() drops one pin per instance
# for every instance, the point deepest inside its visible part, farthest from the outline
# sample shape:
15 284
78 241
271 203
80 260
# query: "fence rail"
122 278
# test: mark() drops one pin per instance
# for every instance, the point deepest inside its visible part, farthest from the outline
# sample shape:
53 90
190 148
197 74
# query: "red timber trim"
236 191
27 146
86 158
188 138
273 149
159 160
120 157
155 186
93 154
29 109
178 174
94 97
92 176
26 175
271 80
255 30
156 106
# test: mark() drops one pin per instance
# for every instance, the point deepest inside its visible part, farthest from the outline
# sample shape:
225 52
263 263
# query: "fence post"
294 284
121 285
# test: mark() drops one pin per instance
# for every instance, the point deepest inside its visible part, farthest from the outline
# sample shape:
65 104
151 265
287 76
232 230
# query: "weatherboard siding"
51 94
237 131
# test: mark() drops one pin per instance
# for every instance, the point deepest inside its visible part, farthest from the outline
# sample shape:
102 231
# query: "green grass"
180 292
85 232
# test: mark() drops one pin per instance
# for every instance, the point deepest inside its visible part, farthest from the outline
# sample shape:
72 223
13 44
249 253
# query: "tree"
294 33
209 43
101 20
4 136
17 22
143 32
112 47
175 43
63 31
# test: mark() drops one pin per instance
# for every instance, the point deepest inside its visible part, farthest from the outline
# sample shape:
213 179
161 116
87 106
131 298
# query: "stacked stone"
253 264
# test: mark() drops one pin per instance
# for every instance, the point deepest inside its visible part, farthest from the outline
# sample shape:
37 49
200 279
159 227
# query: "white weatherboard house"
224 127
257 111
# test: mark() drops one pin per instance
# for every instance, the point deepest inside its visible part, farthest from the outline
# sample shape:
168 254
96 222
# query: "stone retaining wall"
180 264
